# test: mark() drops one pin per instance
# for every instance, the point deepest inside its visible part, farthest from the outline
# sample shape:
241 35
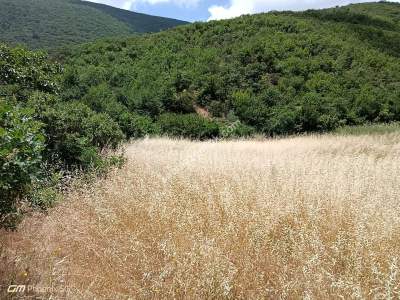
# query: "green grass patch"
369 129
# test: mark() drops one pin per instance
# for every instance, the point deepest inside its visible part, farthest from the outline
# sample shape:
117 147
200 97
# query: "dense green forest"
270 74
279 73
54 23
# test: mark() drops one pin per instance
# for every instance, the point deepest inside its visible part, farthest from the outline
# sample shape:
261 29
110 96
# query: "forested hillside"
54 23
387 12
271 74
278 73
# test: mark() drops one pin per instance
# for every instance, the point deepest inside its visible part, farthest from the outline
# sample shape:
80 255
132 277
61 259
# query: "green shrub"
21 147
236 130
45 192
22 72
102 131
41 135
250 110
137 126
180 102
282 121
190 126
76 134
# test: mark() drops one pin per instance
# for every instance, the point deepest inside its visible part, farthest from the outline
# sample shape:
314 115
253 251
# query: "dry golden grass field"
315 217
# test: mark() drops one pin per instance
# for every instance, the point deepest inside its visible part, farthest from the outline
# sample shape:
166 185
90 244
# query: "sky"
203 10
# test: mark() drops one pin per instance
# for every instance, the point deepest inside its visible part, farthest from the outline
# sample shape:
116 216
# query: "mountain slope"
385 15
375 23
388 11
54 23
278 72
138 22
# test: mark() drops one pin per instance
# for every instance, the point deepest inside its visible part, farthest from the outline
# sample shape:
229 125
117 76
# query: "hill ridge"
55 23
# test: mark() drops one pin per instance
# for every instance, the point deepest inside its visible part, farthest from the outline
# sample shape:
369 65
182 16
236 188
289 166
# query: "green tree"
21 147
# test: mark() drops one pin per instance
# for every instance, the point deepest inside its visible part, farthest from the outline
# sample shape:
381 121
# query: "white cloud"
241 7
130 4
236 8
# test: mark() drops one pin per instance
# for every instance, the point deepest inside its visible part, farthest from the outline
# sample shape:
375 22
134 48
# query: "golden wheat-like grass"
314 217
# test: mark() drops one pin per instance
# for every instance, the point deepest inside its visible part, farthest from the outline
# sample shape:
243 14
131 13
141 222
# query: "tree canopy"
279 73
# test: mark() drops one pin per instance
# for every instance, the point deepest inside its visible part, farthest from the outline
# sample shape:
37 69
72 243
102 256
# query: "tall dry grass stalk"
311 217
